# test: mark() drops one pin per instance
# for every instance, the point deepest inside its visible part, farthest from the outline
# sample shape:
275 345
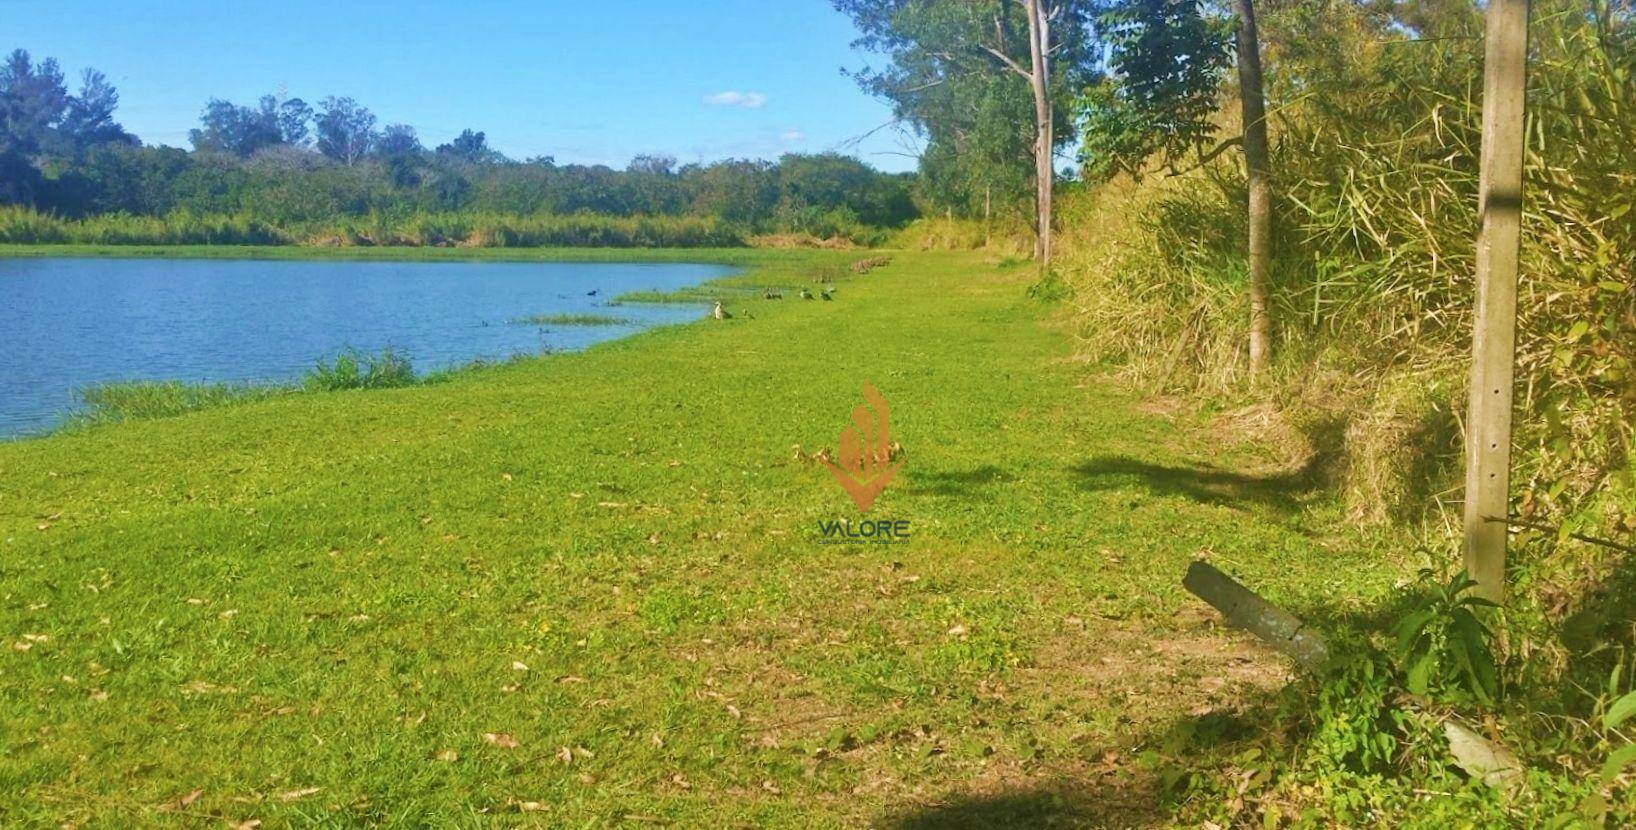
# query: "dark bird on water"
591 293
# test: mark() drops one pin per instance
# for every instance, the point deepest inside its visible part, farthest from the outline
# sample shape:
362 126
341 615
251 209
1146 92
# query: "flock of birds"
826 293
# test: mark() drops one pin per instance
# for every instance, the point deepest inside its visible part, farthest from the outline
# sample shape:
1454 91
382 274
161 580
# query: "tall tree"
947 56
1167 58
346 131
1039 80
1166 62
39 120
396 140
1252 100
32 100
226 127
400 149
470 146
294 117
89 117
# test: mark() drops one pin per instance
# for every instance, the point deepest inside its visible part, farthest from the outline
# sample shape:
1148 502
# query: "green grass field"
588 590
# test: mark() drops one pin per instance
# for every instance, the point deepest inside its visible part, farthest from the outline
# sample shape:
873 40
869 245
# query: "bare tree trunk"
1494 333
1252 96
1039 40
988 214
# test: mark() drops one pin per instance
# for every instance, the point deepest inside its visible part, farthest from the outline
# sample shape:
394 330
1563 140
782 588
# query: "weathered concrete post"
1493 346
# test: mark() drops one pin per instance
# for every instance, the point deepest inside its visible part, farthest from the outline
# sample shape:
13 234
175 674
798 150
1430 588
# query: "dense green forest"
282 170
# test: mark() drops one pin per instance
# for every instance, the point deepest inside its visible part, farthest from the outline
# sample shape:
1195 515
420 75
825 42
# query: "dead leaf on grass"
501 739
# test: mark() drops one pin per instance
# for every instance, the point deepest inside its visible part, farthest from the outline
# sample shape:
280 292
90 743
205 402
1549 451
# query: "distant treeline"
283 171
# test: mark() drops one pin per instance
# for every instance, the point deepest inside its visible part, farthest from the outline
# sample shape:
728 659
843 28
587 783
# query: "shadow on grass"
1062 804
1142 784
1593 620
1134 789
1284 491
958 483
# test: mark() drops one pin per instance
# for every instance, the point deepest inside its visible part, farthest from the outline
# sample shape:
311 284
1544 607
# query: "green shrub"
353 370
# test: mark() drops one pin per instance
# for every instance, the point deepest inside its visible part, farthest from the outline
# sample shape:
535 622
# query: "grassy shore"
589 590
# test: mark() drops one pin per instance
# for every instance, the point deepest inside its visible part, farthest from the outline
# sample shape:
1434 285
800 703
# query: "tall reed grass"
1375 171
24 226
19 225
1373 269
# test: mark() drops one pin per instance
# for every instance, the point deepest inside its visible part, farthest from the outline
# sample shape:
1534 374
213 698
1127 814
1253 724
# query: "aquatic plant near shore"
571 320
353 370
144 399
138 400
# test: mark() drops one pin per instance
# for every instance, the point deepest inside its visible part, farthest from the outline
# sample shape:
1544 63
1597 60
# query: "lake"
69 323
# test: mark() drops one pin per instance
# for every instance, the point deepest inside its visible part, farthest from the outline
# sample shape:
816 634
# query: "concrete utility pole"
1494 336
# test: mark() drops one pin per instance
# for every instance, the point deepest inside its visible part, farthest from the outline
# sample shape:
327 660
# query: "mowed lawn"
588 590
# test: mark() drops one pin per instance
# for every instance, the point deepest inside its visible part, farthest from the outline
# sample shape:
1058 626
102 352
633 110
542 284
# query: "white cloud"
792 135
734 98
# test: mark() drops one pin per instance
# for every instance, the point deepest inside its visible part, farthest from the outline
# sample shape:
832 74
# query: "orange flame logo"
865 451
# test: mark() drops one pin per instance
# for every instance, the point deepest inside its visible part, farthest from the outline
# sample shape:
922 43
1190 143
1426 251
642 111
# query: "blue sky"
594 81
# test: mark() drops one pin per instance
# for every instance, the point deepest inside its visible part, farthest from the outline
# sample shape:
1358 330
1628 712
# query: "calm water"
69 323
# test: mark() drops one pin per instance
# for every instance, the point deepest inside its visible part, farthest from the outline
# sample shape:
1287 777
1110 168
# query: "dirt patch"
1147 681
1151 676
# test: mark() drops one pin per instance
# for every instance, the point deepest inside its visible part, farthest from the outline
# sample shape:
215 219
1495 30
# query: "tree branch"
1006 59
1207 157
1591 540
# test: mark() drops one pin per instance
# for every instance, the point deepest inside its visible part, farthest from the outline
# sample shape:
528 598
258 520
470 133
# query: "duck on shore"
720 313
805 294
